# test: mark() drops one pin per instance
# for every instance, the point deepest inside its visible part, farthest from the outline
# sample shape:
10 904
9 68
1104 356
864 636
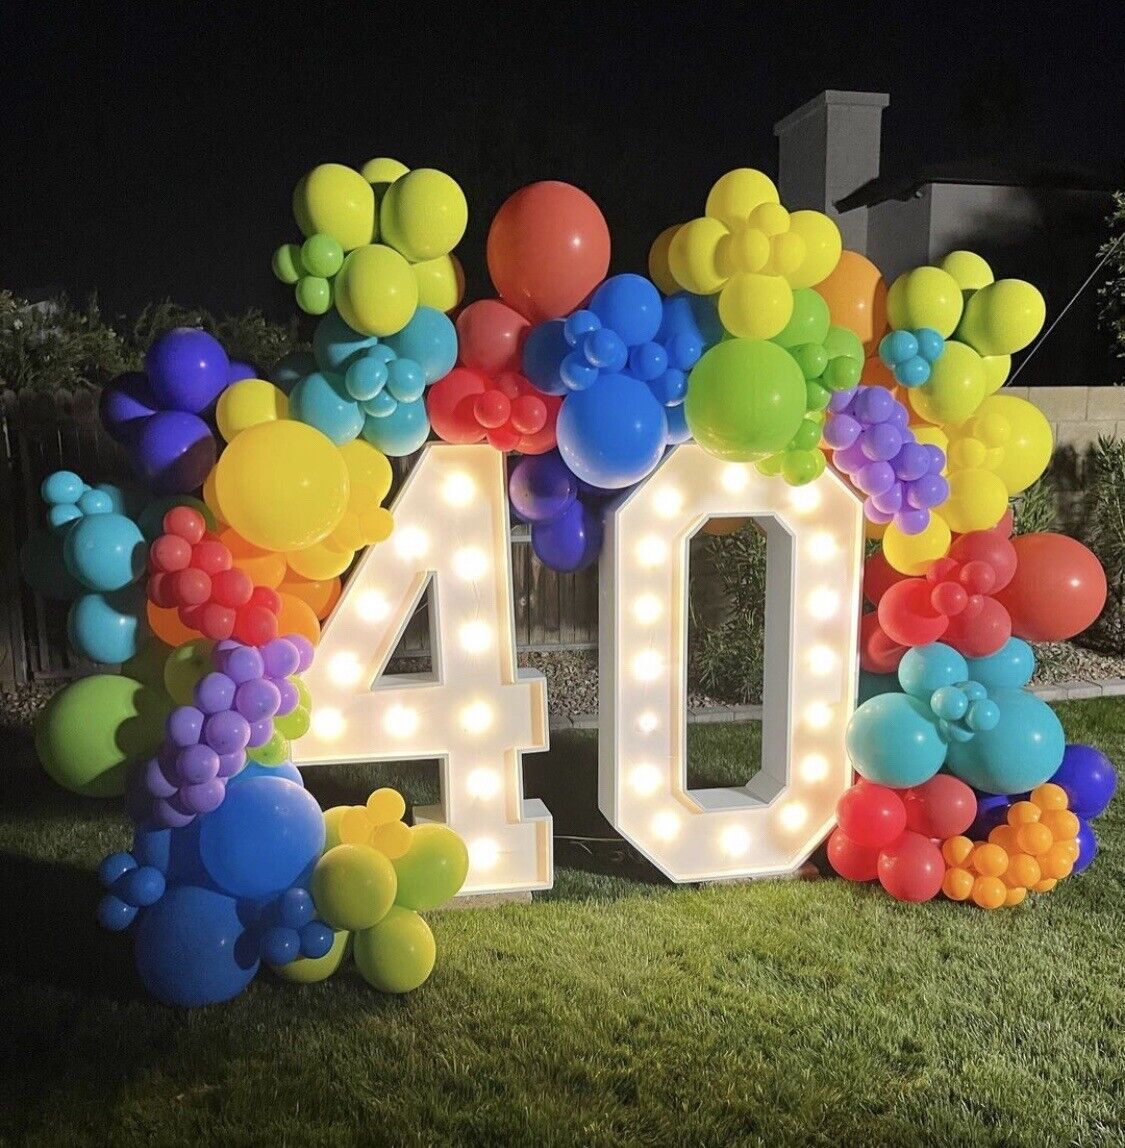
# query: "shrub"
1037 509
1103 530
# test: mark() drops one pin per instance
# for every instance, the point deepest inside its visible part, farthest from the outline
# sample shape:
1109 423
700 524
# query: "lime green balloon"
332 826
955 388
147 664
433 869
808 323
812 358
313 294
94 728
322 255
842 343
287 264
335 200
353 887
310 970
925 297
294 724
304 694
423 214
184 668
1002 317
968 268
273 752
745 399
396 955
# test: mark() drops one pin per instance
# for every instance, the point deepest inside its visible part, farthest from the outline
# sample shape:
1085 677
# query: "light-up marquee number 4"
478 713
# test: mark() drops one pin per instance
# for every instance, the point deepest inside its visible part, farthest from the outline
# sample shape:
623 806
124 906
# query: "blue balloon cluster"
622 363
911 354
361 385
970 715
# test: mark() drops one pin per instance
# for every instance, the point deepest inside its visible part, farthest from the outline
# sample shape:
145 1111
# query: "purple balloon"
203 798
929 490
289 695
542 488
260 732
227 732
992 810
124 405
155 781
875 478
1089 779
570 542
912 461
197 764
882 442
281 657
184 725
173 452
841 430
874 514
890 501
257 699
873 405
304 652
214 693
243 664
165 813
841 400
188 370
912 521
237 371
231 763
851 458
1087 846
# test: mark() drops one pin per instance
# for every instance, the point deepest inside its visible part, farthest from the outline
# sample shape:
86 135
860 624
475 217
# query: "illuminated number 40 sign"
477 713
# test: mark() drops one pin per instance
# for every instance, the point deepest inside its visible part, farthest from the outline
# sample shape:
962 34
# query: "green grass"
615 1010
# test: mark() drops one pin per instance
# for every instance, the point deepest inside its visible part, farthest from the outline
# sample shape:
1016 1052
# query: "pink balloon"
942 807
853 862
911 868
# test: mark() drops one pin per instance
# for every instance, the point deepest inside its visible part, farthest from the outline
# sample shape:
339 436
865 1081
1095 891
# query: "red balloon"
942 807
450 402
991 547
1058 590
871 815
978 635
853 862
490 336
911 868
907 615
878 577
878 654
548 248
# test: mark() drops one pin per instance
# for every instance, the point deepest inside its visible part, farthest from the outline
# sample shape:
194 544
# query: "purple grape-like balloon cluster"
873 445
205 744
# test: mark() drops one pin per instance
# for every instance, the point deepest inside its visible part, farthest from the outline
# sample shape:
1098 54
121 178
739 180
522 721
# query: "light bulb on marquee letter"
477 713
772 824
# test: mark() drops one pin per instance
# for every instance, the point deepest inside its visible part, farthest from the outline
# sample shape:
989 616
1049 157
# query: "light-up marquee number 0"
478 713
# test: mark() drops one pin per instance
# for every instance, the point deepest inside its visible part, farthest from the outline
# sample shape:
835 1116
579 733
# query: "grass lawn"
616 1009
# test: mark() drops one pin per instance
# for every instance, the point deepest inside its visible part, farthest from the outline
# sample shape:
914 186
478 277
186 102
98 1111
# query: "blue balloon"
43 567
924 669
105 551
290 369
124 405
322 401
173 452
286 769
992 810
237 371
1022 751
678 430
1087 846
1008 669
1089 779
430 340
690 325
336 345
630 306
613 434
401 432
543 352
541 488
264 837
892 740
191 948
187 370
174 852
108 628
127 500
569 542
61 487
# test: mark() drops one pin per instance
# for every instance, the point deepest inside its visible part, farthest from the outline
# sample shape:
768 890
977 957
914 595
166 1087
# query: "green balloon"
353 887
433 869
840 341
273 752
287 264
396 955
294 724
314 294
93 729
808 323
745 399
322 255
184 668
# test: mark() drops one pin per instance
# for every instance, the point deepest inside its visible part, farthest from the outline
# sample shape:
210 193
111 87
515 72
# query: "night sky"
152 149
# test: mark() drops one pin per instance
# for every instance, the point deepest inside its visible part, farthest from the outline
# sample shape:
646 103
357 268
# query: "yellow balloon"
441 282
1003 317
925 433
338 201
955 389
423 214
823 246
693 256
248 402
738 193
977 501
925 297
658 270
282 485
365 521
997 368
376 293
332 819
969 269
311 970
755 306
913 553
211 497
1027 450
383 170
320 561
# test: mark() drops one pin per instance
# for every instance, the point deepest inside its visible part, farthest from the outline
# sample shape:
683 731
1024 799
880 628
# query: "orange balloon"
856 294
548 248
296 617
264 567
166 625
320 595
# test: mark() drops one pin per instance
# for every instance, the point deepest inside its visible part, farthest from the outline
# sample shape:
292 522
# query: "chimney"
827 149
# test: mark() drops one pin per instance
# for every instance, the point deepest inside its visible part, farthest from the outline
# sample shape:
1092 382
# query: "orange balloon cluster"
1033 852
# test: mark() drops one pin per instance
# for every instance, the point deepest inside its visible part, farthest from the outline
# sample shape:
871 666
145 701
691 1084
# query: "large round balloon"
93 728
267 834
612 434
124 405
105 551
856 294
433 869
548 248
282 485
107 628
1059 588
187 370
745 399
173 451
397 954
335 200
893 740
570 542
191 948
376 292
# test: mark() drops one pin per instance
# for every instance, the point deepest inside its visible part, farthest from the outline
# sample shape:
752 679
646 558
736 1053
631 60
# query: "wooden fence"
43 433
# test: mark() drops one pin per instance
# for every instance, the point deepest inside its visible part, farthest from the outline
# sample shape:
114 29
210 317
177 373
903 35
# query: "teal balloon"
892 740
43 568
872 685
336 346
430 339
924 669
290 369
401 432
1008 669
108 628
322 401
105 551
1022 751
